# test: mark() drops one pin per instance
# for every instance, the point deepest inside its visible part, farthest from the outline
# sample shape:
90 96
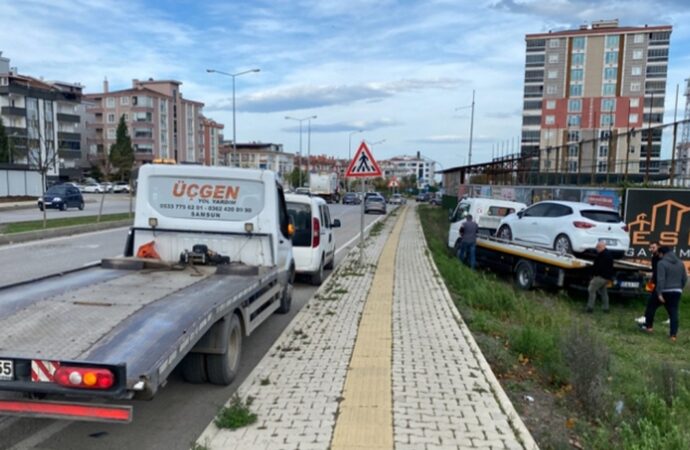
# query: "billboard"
658 215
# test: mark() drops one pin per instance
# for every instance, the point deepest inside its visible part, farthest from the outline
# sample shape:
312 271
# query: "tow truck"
534 266
208 260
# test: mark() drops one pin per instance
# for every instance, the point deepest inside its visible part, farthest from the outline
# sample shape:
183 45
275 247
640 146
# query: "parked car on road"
422 197
351 198
107 186
313 242
375 203
567 227
61 196
92 188
120 186
396 199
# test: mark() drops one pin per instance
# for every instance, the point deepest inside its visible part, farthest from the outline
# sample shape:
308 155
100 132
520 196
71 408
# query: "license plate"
6 370
630 284
609 241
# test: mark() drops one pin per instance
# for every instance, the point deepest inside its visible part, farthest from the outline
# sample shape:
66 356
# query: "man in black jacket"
602 274
671 278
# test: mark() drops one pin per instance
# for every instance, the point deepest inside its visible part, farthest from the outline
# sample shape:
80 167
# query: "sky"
401 71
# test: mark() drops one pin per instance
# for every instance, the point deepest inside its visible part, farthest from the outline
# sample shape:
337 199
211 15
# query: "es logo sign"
658 215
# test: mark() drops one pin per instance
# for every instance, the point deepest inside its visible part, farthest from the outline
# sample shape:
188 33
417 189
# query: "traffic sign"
363 164
393 182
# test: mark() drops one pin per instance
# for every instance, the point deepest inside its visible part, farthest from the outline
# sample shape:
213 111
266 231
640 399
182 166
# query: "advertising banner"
602 197
658 215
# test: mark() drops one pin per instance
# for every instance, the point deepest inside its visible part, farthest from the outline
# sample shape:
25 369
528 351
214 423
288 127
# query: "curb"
16 238
504 402
31 204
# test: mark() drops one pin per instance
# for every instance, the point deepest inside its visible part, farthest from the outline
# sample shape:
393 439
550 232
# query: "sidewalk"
378 359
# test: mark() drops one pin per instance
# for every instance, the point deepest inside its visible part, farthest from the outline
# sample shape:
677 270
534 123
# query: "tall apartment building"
585 89
401 166
161 123
42 120
212 135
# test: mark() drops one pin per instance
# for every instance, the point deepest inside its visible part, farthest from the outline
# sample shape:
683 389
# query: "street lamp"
469 156
234 126
300 143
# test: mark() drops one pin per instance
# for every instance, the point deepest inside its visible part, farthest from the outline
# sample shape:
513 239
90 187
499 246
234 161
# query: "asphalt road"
180 411
112 204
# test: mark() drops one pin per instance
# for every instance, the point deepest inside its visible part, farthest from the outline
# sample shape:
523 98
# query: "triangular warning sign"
363 164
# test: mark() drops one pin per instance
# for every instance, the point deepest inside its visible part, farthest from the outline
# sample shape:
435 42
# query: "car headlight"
57 199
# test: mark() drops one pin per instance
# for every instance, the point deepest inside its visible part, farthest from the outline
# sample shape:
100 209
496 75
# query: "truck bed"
144 319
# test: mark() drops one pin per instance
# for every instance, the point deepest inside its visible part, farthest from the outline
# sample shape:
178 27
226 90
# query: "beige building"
161 123
212 134
257 155
585 89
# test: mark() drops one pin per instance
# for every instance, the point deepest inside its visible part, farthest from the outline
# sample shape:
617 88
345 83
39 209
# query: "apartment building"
161 122
258 155
403 166
588 95
212 135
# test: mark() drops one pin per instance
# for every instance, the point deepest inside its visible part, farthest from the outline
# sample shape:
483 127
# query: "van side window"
322 214
500 211
282 213
328 216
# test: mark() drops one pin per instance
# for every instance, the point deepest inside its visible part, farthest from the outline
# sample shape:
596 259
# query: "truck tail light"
585 225
316 229
84 377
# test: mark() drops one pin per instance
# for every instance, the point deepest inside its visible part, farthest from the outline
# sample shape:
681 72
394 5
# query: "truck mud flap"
68 411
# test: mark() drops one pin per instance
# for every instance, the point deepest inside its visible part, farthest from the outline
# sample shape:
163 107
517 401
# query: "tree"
295 176
5 149
121 152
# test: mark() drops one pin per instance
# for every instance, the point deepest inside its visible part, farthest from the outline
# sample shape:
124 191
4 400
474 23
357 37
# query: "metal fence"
20 182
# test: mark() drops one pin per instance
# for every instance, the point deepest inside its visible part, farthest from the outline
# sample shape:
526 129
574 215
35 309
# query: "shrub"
236 415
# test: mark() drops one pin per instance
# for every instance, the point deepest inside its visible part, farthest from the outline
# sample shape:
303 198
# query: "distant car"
61 196
92 188
372 194
313 242
107 186
396 199
375 203
436 200
120 186
351 198
567 227
422 197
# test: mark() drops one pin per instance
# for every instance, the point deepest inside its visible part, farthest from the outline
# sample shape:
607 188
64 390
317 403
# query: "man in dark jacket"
468 242
602 274
671 277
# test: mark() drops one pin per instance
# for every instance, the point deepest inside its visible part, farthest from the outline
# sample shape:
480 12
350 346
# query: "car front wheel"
505 233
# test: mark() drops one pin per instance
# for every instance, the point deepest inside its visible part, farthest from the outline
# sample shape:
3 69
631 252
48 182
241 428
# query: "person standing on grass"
468 243
671 277
602 274
651 286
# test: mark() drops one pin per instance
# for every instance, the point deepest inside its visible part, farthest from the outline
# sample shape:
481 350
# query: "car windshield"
601 216
300 214
57 190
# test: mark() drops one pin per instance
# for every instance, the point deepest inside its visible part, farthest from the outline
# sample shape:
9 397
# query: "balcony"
73 118
68 153
16 132
69 136
13 111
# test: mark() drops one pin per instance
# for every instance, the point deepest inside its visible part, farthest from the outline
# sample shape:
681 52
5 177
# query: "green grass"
236 415
518 330
34 225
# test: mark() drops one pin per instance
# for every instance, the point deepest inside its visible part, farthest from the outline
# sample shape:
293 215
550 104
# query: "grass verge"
35 225
592 380
236 415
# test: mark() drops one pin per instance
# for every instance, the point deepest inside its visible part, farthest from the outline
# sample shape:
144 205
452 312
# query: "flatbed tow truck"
214 260
534 266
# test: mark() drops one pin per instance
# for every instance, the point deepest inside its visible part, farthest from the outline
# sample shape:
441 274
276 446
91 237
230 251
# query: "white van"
486 212
313 243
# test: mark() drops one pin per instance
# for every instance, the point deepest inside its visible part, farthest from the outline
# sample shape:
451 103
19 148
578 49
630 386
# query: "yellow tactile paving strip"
365 419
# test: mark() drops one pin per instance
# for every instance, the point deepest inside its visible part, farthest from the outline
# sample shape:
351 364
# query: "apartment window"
578 43
576 74
126 116
637 54
111 133
638 38
609 89
573 136
606 120
604 135
608 104
111 118
575 90
611 57
551 89
636 71
601 166
603 151
4 81
578 59
612 41
552 74
553 58
551 104
550 120
554 43
572 166
610 73
634 102
633 118
574 105
124 100
573 120
635 86
110 102
572 151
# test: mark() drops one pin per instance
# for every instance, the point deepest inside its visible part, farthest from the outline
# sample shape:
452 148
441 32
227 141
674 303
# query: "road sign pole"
361 229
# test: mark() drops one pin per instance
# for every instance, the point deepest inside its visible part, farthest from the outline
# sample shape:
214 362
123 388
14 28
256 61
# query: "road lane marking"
42 435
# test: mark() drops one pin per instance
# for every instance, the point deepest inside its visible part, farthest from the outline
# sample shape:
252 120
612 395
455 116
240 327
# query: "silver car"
375 203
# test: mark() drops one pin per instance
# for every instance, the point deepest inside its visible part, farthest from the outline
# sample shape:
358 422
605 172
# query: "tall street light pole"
309 147
469 156
234 124
300 143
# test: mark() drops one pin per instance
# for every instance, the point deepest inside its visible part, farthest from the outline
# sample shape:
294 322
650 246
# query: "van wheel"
505 233
222 369
286 298
562 244
63 206
317 277
194 368
524 275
